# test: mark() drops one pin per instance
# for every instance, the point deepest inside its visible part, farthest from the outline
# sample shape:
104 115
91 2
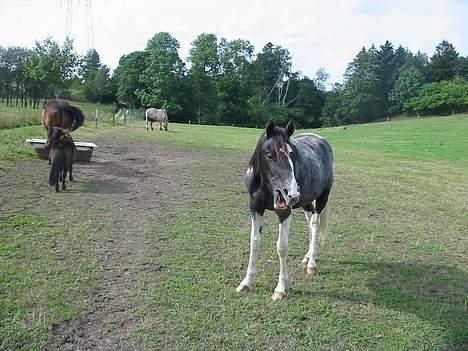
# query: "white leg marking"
308 216
313 220
282 248
255 237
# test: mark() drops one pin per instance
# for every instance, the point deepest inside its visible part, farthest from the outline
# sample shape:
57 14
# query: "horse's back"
54 116
317 144
316 154
155 114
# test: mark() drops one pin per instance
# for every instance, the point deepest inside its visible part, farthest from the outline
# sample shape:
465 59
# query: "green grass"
392 269
38 287
12 117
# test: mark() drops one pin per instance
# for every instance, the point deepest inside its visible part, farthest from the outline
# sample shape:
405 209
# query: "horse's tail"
58 163
324 220
77 115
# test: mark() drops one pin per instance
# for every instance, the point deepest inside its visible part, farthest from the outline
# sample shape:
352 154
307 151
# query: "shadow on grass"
101 186
434 293
112 168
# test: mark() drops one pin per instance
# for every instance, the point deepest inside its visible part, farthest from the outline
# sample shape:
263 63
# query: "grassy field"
392 269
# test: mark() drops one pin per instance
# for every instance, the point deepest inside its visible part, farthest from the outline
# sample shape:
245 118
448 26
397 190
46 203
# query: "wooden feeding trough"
84 150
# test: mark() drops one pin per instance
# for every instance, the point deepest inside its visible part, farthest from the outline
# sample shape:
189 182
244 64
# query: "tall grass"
12 117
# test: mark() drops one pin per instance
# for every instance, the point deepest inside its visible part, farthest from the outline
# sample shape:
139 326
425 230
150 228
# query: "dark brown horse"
62 153
58 113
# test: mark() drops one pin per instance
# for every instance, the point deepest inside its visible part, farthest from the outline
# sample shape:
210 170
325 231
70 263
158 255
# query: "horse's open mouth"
280 202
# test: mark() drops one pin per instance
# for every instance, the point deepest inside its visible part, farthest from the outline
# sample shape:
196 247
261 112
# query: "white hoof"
311 271
278 296
242 288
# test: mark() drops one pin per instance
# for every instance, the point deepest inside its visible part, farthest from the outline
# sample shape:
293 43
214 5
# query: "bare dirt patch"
121 192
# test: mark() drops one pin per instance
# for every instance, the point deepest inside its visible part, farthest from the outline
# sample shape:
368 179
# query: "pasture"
145 249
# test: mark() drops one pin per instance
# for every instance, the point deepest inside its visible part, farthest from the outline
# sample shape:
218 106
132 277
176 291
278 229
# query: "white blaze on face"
293 187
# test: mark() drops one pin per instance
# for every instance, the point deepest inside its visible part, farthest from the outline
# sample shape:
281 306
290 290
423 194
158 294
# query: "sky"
318 33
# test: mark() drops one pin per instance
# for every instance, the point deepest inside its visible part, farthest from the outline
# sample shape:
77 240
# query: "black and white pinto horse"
288 172
156 115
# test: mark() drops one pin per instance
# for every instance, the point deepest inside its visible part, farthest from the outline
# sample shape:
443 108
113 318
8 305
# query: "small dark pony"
62 153
58 113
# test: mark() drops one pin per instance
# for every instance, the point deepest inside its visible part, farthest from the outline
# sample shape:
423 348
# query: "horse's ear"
269 128
290 127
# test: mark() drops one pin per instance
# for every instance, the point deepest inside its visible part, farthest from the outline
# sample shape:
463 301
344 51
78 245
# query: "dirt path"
133 183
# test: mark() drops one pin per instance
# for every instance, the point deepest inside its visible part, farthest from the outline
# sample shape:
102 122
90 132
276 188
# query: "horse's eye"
269 156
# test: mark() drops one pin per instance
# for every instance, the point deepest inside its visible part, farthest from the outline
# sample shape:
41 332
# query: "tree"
98 86
386 74
407 86
234 84
50 68
462 69
12 79
441 97
271 66
359 95
444 62
90 62
164 74
321 77
204 71
332 113
305 100
127 77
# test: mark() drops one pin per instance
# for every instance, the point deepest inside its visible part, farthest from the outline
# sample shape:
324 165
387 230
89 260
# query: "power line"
89 21
69 18
89 27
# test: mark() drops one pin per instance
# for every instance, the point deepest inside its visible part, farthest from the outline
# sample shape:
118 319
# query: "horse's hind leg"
71 173
313 217
160 126
151 124
64 177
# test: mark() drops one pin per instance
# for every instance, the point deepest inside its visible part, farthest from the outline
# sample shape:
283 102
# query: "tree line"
382 82
224 82
29 76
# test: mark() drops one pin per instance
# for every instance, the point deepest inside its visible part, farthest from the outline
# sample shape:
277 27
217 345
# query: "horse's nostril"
295 195
285 191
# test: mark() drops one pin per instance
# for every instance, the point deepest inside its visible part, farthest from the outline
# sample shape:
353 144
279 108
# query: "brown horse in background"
58 113
62 153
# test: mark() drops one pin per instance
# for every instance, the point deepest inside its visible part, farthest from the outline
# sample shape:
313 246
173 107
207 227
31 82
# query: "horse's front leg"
255 237
313 222
282 249
160 126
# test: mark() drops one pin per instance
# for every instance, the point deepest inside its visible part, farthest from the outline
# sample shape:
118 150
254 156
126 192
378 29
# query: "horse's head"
55 134
273 162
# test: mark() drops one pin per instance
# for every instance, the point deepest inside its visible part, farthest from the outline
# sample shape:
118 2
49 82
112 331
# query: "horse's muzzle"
285 199
292 198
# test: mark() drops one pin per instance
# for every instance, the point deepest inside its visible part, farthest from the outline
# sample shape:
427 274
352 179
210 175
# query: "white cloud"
318 33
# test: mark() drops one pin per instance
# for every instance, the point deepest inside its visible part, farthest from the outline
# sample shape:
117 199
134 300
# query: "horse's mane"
278 140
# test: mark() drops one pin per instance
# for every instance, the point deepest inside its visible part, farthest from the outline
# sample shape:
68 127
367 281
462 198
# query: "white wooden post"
146 121
96 119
